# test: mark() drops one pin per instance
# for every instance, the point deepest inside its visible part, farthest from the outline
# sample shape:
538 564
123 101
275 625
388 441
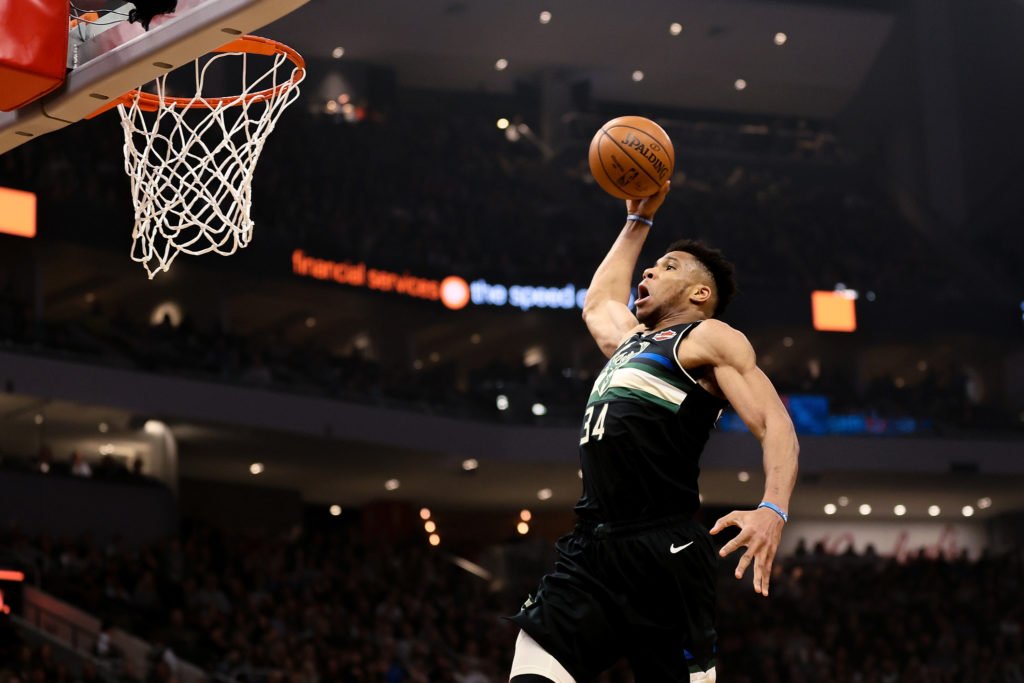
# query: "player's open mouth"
641 293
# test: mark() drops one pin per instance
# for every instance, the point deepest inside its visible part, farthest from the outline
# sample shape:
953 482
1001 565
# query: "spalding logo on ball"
631 157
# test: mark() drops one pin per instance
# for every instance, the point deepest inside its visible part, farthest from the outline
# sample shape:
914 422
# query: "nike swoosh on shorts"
673 549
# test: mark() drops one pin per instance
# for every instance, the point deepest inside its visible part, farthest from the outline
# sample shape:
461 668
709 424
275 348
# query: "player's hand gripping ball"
631 157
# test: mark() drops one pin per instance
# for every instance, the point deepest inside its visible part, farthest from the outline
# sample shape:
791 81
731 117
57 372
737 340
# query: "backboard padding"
125 56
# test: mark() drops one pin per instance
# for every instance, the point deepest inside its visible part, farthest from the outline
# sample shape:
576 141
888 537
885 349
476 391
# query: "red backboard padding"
33 49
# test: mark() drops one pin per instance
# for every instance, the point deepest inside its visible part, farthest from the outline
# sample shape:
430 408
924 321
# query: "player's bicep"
609 323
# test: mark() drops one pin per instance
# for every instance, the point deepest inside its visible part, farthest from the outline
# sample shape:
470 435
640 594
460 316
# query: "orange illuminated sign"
17 212
10 575
833 311
453 291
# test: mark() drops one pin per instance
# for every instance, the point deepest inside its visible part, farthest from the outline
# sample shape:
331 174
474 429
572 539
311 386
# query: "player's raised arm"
606 310
751 393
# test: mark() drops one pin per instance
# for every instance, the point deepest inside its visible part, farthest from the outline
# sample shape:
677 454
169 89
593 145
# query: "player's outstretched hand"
760 532
648 206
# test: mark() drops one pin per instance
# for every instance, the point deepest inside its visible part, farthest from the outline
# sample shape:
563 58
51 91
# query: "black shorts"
643 591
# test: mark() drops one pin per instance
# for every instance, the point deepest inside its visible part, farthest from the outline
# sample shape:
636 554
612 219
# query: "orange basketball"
631 157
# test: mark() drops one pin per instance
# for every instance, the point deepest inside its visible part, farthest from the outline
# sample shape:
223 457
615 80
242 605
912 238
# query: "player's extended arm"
751 393
606 310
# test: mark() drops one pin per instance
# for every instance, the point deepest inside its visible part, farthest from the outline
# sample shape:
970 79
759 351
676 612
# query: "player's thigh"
673 635
575 615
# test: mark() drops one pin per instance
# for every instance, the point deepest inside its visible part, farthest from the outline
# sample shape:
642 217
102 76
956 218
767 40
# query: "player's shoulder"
722 342
713 329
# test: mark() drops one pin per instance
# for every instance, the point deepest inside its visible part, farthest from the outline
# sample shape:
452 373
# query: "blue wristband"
640 219
774 508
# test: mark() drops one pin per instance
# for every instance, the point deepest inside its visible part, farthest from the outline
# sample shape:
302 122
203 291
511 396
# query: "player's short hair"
722 272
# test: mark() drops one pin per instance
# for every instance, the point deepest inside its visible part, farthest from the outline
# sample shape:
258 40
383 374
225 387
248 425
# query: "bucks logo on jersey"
644 371
622 357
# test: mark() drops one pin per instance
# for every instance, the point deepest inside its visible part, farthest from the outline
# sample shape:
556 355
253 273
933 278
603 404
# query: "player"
636 577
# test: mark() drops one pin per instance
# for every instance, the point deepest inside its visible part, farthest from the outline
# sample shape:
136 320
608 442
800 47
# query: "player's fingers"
742 539
767 575
759 573
727 520
744 562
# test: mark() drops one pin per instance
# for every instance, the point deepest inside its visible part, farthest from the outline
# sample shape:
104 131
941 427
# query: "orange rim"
253 45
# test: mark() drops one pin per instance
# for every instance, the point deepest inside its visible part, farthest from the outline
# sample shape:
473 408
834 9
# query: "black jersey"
644 428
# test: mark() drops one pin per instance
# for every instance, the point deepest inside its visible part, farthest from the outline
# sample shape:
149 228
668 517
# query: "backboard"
109 56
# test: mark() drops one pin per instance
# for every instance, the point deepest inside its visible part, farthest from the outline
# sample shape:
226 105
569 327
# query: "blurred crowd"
943 398
319 607
867 619
106 467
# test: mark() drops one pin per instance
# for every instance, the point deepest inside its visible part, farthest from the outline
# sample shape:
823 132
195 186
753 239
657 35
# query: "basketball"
631 157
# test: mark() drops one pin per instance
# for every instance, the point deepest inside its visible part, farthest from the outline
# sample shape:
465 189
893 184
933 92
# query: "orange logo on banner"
454 292
833 311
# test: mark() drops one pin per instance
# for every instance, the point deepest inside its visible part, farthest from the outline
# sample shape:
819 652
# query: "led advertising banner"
453 291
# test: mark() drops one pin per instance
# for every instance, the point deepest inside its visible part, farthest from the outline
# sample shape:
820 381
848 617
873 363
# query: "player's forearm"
781 456
613 278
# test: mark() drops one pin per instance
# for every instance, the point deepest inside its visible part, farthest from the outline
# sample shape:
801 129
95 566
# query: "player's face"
665 286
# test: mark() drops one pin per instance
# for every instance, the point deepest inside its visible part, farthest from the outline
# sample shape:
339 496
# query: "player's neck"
681 317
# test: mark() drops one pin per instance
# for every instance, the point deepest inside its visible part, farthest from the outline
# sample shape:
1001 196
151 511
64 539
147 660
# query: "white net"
191 160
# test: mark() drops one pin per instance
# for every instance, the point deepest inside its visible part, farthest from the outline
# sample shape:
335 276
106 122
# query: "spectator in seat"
79 466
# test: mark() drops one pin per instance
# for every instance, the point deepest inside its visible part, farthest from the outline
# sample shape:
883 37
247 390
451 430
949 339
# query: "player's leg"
533 664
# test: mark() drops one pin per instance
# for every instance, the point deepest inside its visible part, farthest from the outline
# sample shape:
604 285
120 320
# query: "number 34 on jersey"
591 427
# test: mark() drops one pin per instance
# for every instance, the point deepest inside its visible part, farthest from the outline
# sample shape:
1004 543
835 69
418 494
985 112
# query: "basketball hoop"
191 160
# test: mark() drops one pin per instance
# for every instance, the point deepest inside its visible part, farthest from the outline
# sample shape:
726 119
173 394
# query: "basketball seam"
609 175
624 151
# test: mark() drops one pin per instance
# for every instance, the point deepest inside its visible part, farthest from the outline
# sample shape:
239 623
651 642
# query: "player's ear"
700 294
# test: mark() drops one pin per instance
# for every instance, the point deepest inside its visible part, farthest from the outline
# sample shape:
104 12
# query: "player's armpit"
610 323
